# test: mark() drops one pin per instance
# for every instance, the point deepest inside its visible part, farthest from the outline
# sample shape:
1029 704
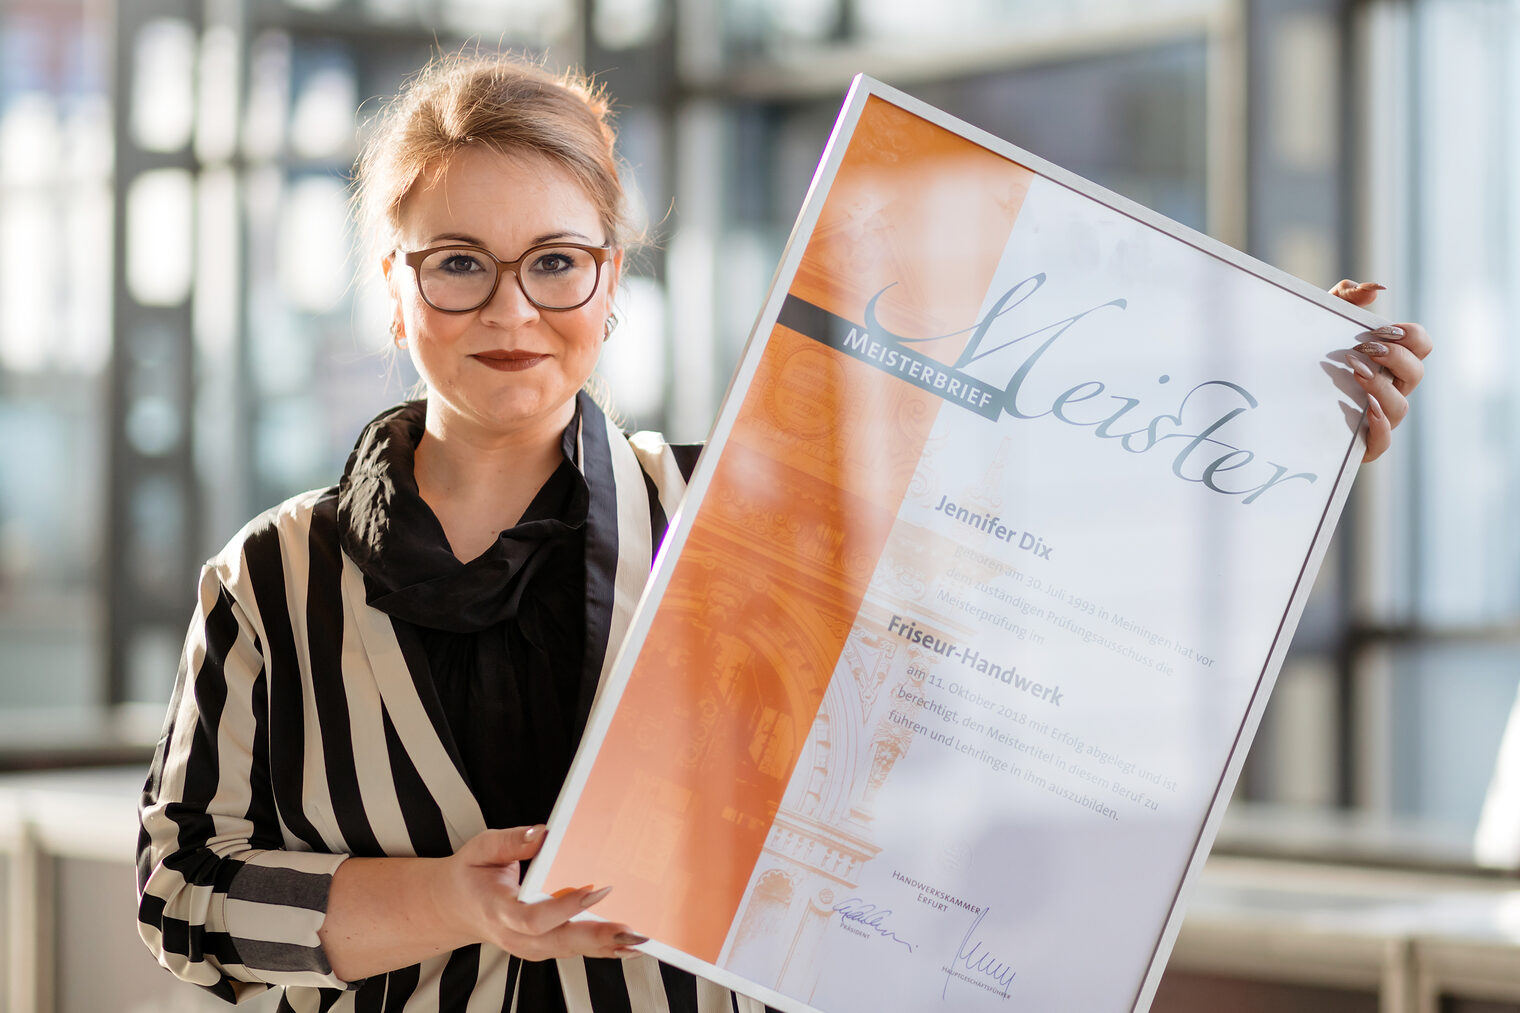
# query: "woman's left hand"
1400 349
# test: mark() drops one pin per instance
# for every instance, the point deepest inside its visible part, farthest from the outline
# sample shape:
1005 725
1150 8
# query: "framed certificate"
953 653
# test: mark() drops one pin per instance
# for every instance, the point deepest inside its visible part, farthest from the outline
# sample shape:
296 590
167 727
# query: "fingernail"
1359 367
629 939
1390 331
1373 407
625 954
1374 286
533 833
1373 348
567 891
592 898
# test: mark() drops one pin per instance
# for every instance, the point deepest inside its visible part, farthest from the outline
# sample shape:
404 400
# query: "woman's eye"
557 262
461 263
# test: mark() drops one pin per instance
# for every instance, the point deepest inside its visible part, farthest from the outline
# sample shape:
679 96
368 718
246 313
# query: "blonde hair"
497 100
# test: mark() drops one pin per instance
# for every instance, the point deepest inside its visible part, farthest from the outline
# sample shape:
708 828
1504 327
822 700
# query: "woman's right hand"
385 913
479 894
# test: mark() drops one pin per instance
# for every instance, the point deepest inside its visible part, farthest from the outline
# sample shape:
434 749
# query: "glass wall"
186 337
55 297
1455 597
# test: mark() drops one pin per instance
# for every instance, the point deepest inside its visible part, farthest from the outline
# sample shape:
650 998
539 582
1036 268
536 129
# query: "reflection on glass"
530 22
634 358
83 317
55 281
156 528
163 85
623 24
29 139
216 270
804 19
912 20
217 98
264 118
1469 545
322 121
153 426
286 456
1448 700
1449 707
160 248
49 495
29 289
87 152
152 661
313 242
392 10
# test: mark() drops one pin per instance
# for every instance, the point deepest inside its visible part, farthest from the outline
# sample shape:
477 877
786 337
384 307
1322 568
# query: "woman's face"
507 368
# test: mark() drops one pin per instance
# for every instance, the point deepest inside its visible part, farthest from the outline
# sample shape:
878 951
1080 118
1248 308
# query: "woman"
390 667
386 680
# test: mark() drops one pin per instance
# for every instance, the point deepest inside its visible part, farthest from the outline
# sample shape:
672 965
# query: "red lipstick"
509 362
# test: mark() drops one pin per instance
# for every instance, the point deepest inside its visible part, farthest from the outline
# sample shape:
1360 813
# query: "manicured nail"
567 891
592 898
1372 348
1359 367
626 954
1373 408
533 833
1390 331
629 939
1372 286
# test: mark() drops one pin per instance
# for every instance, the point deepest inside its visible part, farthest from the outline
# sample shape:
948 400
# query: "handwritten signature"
871 917
976 959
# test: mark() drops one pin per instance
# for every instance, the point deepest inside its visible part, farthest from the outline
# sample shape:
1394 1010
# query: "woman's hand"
385 913
479 893
1400 349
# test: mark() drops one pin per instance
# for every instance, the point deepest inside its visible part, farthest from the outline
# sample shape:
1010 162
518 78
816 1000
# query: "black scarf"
503 635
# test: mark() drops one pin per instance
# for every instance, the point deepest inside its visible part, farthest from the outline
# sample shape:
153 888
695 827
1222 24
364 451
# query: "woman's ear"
615 275
398 322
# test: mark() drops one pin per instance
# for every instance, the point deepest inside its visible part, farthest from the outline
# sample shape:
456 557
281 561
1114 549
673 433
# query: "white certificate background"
1076 901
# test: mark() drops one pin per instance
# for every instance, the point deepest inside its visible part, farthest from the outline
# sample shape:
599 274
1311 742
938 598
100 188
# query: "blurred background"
186 339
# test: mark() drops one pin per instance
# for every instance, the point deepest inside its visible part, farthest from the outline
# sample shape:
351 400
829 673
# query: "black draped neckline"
502 637
398 543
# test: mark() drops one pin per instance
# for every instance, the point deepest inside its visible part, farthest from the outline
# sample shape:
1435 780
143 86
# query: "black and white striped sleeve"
222 903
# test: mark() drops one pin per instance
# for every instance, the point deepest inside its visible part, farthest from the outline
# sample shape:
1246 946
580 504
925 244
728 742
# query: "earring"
609 326
396 336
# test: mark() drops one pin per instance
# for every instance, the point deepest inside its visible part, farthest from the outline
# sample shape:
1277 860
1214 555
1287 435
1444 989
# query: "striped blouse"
298 735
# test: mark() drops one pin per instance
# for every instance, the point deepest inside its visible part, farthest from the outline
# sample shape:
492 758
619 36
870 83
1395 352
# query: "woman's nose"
509 305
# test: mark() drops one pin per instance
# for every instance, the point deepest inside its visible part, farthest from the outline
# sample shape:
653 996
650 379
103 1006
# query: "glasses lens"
456 279
558 277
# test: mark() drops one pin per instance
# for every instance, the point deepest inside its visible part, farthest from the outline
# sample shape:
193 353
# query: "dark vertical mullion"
114 683
1256 780
1415 60
243 406
131 606
1352 165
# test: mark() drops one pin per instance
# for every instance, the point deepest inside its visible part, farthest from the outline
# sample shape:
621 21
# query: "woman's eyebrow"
547 237
459 237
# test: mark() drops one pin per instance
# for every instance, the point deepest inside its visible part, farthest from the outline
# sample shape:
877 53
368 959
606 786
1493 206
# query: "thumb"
504 847
1359 293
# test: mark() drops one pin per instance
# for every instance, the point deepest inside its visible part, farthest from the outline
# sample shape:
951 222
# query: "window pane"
55 277
1468 274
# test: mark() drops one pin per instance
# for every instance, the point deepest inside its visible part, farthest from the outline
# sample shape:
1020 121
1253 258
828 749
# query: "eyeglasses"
554 276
